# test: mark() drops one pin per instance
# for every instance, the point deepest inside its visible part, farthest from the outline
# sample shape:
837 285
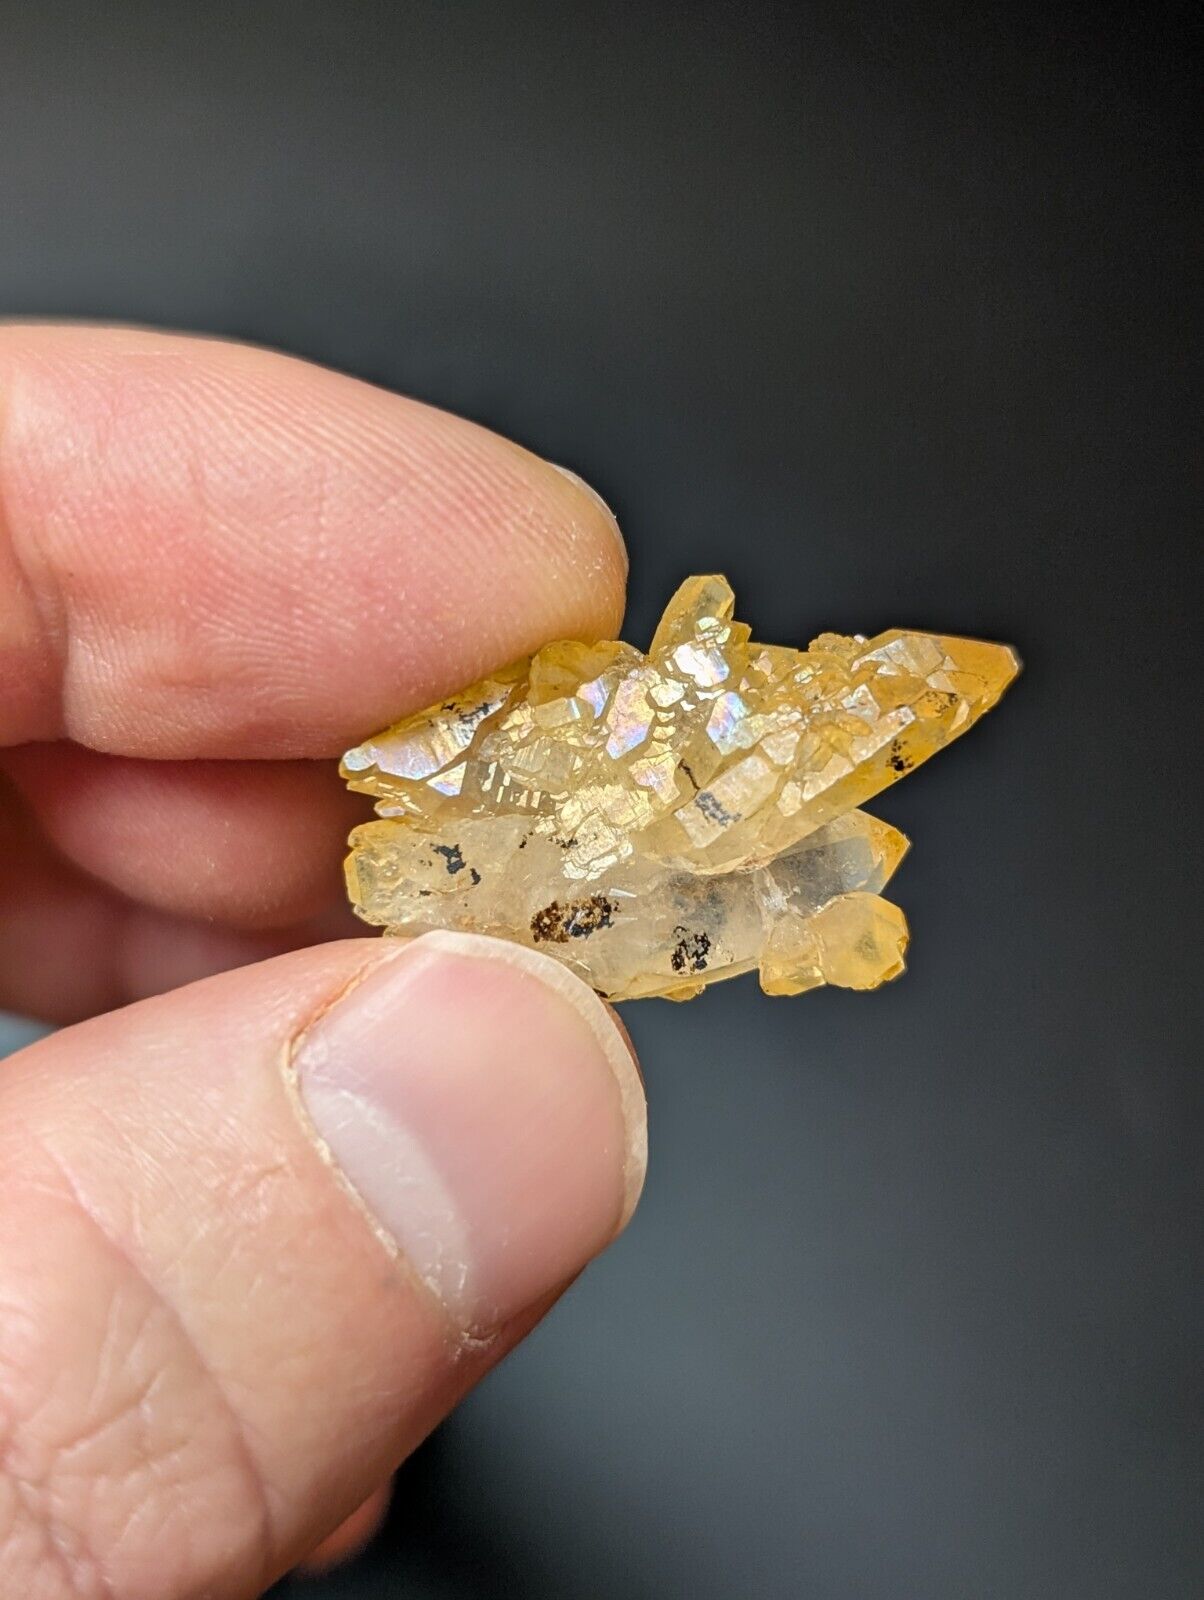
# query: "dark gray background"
884 312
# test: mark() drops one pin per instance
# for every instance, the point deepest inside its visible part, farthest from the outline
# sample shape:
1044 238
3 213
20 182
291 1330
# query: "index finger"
213 550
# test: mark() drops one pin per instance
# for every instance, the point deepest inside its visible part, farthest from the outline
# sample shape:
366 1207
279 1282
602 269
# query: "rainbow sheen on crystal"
661 822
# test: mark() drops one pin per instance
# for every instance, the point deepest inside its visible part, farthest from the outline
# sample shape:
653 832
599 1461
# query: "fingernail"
484 1106
573 477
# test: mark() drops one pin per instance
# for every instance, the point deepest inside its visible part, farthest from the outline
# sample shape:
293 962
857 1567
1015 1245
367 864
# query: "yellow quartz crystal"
660 822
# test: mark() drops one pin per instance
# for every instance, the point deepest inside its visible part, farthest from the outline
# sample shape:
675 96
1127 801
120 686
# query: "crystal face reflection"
661 822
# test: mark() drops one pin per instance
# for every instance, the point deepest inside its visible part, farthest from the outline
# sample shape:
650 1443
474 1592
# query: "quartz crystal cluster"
660 822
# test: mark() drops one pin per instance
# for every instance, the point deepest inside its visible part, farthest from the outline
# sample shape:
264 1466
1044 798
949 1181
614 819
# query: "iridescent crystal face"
660 822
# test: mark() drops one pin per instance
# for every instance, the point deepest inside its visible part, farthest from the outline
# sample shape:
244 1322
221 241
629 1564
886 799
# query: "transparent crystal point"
660 822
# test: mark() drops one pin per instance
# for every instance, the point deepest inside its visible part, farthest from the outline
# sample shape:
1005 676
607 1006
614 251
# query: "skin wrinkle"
26 1501
106 1366
147 1457
266 1537
31 1499
48 1529
140 1460
271 1024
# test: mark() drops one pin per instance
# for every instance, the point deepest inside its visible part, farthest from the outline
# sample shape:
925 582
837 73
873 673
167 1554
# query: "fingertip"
218 550
159 1150
482 1106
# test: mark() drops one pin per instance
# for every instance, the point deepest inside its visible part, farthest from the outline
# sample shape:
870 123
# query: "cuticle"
459 1340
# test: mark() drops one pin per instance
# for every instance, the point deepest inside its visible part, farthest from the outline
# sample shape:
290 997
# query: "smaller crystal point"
661 822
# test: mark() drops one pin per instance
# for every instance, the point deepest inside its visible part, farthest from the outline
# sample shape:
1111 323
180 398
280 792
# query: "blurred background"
884 311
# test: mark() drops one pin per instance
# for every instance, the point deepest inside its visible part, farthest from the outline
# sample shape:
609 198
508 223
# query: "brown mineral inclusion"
660 822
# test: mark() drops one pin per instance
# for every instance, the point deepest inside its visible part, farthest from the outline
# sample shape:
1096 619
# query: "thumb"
258 1235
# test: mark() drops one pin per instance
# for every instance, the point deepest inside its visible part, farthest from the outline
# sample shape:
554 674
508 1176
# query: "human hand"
259 1233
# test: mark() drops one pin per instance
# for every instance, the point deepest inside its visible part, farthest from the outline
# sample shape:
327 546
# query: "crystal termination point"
661 822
